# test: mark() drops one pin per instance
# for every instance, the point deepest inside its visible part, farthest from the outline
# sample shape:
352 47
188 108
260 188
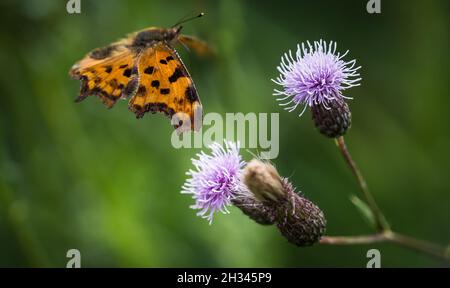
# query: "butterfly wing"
200 47
107 72
166 86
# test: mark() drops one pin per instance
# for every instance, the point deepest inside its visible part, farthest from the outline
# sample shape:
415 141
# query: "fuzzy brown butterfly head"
145 69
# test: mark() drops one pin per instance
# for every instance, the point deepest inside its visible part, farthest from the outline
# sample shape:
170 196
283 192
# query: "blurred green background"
81 176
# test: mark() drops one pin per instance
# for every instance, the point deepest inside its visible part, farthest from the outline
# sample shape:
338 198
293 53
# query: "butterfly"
146 69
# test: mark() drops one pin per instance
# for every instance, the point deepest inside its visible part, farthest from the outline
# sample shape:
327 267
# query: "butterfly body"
147 70
153 35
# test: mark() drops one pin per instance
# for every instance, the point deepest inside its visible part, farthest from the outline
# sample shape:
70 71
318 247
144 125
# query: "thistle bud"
273 200
300 221
264 181
260 212
332 121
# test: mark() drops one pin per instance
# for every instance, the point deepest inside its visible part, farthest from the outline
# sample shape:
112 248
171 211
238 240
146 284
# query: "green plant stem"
389 236
418 245
352 240
380 220
384 234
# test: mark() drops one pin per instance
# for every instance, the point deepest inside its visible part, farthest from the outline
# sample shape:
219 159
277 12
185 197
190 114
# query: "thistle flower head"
275 202
316 75
215 180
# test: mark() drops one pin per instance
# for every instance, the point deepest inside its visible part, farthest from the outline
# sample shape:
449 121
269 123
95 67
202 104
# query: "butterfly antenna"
188 19
185 16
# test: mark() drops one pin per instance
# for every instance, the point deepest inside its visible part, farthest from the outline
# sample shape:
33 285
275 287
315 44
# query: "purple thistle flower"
316 76
215 180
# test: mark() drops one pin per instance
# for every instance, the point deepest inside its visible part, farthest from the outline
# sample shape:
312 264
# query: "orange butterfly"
146 69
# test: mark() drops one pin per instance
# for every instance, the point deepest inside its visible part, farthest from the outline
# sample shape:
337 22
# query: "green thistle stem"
380 220
393 237
385 234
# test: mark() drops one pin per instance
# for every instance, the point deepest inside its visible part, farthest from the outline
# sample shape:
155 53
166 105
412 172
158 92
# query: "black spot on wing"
170 58
162 61
123 66
108 69
164 91
177 74
191 94
149 70
155 83
127 72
